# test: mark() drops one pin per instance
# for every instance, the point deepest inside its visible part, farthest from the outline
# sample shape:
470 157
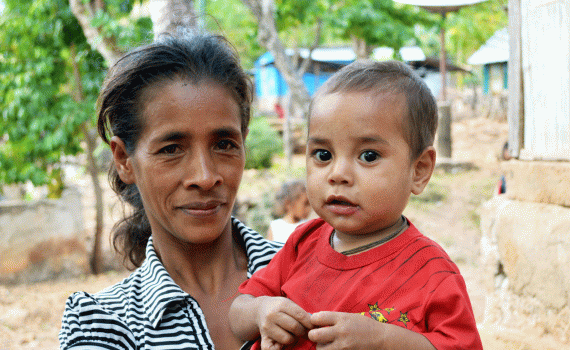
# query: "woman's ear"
122 160
422 169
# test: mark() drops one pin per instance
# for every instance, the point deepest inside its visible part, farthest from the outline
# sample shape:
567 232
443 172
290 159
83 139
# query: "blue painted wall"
270 83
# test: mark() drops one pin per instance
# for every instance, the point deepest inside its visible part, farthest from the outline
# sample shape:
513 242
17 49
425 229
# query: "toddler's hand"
281 322
340 330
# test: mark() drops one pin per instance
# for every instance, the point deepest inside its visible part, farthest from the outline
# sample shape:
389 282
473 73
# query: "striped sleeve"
86 324
260 251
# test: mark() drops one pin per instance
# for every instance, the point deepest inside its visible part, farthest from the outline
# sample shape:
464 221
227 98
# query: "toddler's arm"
278 320
339 330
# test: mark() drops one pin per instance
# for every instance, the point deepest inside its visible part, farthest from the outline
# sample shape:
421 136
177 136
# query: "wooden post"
443 60
444 130
444 108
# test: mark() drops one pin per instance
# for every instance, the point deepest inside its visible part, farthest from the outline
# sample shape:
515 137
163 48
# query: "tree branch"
268 37
169 15
316 42
85 12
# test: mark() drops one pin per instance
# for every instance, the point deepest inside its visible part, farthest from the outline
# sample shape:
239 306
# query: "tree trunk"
85 11
361 48
288 67
96 260
168 15
268 37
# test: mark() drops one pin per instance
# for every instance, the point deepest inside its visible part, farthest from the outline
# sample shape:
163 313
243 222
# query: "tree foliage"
377 22
232 19
472 26
41 119
50 81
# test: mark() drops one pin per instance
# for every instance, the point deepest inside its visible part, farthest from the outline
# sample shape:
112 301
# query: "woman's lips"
202 208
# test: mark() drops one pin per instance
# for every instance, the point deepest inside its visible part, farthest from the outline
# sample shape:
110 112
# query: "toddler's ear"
422 169
122 160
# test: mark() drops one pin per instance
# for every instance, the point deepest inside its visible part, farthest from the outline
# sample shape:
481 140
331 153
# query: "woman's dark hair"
187 56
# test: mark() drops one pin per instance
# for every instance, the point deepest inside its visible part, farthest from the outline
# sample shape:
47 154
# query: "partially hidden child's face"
359 171
301 208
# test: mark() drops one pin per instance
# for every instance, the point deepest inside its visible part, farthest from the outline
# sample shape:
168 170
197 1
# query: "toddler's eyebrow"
371 139
317 140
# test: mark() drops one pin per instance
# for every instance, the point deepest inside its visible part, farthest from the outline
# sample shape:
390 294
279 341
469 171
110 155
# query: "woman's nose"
202 171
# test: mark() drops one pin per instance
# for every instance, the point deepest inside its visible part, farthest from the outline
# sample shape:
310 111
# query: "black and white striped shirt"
147 310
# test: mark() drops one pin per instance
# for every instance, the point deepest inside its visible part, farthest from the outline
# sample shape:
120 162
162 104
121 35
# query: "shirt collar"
158 289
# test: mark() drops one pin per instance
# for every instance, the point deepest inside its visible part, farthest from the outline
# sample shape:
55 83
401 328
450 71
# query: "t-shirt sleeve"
268 280
87 325
449 317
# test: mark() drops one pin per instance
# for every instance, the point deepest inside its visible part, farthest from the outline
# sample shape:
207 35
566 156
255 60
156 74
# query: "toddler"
362 276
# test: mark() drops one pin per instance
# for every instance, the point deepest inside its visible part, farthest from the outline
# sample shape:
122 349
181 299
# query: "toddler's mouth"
338 200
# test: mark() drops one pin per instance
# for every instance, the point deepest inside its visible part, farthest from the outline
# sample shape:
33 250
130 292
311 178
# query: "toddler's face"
359 171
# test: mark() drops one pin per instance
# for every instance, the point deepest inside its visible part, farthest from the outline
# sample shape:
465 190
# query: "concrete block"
42 239
538 181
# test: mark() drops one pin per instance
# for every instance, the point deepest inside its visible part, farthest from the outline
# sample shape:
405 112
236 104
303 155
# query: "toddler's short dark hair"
393 77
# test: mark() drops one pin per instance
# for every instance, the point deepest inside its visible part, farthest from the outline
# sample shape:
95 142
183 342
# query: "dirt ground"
30 315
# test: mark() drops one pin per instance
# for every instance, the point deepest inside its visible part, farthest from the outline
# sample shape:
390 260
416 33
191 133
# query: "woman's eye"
369 156
226 145
170 149
323 155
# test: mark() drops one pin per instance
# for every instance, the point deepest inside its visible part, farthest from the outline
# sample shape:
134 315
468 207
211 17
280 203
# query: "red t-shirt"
409 281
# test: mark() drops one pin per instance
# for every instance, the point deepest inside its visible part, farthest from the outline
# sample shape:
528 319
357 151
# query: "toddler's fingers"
323 318
287 323
301 316
322 335
269 344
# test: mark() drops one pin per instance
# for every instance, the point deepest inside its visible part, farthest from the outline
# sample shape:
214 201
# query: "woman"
175 114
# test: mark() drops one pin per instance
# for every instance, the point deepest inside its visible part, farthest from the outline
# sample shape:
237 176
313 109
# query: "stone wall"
530 244
525 248
42 239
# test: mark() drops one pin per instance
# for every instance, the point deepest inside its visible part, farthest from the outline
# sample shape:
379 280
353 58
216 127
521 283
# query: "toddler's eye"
323 155
369 156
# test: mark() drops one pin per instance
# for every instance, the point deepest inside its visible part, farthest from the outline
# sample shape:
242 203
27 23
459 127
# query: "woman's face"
188 161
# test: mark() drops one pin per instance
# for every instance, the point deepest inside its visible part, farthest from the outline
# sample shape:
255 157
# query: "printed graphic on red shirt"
387 315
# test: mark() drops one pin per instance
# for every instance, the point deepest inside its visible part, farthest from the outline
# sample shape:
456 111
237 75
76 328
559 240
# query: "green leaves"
262 143
472 26
39 118
43 106
378 22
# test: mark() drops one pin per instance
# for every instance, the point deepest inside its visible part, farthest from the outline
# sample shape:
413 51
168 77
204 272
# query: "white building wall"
545 32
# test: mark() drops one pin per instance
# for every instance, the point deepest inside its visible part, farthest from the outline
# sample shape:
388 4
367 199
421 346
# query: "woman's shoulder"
88 315
258 249
112 297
